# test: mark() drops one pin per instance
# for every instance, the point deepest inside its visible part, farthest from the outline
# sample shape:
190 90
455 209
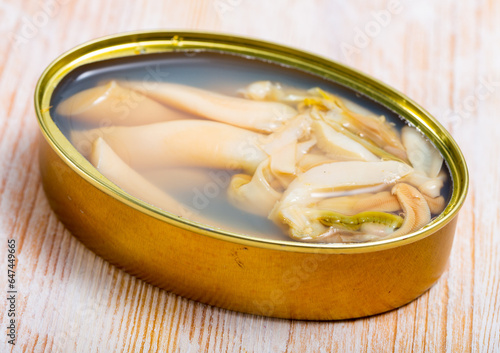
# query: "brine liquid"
204 190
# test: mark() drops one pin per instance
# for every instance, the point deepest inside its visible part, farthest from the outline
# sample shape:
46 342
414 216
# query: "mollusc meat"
316 165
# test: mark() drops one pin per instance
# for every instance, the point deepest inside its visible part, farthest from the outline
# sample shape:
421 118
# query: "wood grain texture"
443 54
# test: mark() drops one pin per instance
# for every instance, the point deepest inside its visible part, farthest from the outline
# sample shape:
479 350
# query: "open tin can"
270 277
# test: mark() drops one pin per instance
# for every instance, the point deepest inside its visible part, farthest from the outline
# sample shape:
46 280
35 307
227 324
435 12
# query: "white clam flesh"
321 168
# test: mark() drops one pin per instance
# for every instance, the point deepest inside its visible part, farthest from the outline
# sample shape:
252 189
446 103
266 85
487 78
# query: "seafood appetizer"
318 166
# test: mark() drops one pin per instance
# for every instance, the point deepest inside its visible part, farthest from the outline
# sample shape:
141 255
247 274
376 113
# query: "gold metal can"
283 279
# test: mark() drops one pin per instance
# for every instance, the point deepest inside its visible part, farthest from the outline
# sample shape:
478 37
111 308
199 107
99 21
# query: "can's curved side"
248 279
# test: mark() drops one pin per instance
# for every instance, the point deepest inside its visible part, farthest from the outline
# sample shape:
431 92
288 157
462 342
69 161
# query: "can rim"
146 42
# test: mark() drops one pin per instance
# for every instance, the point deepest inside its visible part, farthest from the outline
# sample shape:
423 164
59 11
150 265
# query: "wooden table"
443 54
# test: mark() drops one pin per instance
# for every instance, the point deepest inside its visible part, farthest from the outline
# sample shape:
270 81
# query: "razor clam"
116 105
181 143
120 173
254 194
310 186
338 145
416 210
422 155
427 163
374 129
258 116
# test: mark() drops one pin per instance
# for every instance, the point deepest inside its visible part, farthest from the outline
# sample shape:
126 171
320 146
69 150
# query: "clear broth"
222 73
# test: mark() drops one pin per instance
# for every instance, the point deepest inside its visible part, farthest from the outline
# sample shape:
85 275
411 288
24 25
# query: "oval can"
282 279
